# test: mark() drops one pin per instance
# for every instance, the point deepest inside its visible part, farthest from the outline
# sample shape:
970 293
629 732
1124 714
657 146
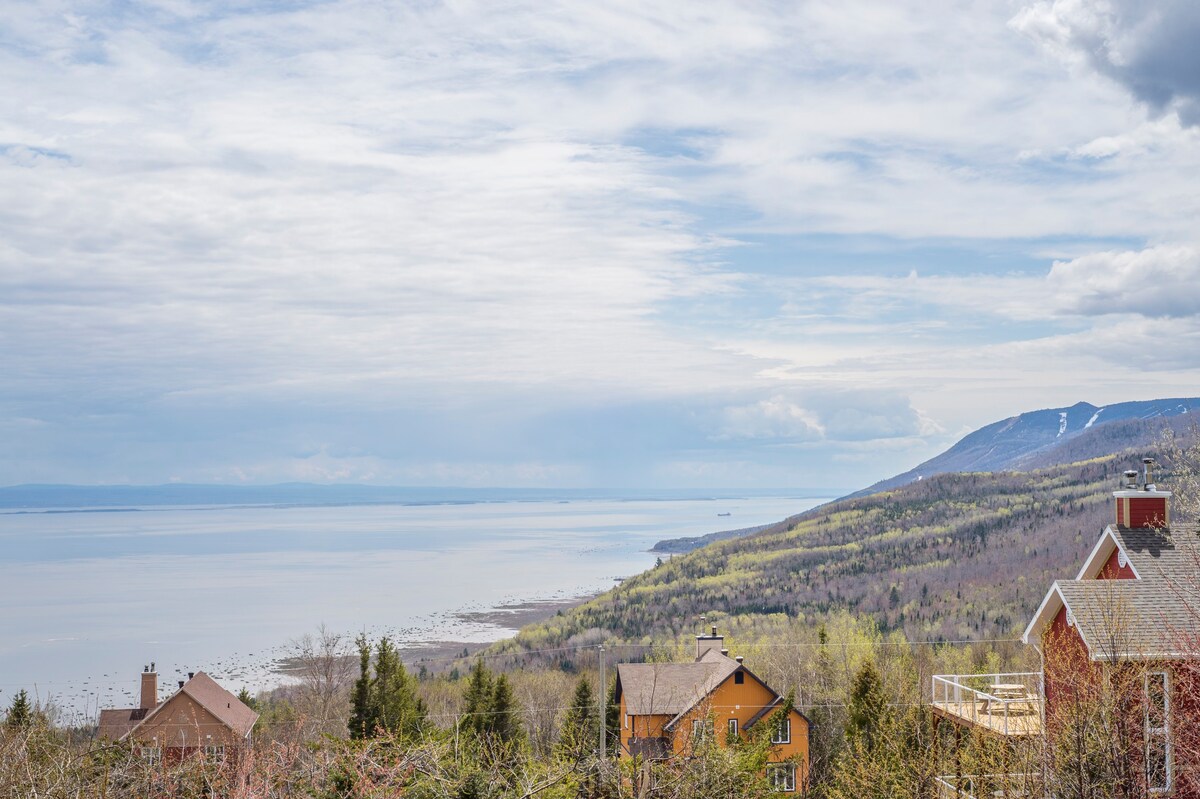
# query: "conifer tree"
867 712
360 696
612 719
579 730
394 704
20 714
504 715
246 699
477 699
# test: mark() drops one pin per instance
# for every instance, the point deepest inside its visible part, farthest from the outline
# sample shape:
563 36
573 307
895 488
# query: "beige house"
199 716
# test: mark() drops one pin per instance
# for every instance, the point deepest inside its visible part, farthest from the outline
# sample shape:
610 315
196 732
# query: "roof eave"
1035 624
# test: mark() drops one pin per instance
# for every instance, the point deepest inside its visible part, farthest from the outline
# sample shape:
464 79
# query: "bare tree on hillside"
325 667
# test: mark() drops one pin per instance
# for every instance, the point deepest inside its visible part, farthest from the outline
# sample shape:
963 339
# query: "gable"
182 721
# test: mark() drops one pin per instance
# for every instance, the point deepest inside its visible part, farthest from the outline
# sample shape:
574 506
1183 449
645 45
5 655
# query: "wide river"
88 598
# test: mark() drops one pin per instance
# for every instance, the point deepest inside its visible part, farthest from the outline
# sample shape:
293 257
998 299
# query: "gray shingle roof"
669 689
1154 616
1172 555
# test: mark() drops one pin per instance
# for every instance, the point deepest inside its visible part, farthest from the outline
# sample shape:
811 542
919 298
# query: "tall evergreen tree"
361 723
579 728
477 699
504 714
612 719
867 711
20 713
395 705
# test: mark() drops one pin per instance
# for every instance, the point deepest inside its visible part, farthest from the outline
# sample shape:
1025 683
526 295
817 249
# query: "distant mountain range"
1050 437
963 546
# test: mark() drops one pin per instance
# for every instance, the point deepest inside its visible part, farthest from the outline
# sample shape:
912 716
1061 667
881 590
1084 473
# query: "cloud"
1149 48
434 239
776 418
834 417
1155 282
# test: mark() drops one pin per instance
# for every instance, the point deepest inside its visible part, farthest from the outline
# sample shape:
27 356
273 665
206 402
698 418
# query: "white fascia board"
1035 624
1100 554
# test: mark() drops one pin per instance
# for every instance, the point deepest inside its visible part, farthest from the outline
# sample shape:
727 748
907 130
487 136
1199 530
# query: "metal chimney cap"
1147 461
714 629
739 659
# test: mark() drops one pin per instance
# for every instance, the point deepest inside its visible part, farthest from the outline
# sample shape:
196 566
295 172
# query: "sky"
567 244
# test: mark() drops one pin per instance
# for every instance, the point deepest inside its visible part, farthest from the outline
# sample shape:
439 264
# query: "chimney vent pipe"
181 683
1131 478
191 674
714 631
739 659
1148 463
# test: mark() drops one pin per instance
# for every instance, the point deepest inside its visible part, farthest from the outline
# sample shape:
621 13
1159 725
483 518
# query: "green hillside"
956 556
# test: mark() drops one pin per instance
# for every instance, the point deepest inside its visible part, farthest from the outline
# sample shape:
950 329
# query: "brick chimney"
707 642
1139 503
149 688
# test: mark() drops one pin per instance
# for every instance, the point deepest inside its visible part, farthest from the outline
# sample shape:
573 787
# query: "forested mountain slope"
1051 436
953 557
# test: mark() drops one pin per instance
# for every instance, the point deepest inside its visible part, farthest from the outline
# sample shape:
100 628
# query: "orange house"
670 708
200 717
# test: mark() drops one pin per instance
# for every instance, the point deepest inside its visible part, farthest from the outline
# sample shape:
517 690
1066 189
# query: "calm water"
86 599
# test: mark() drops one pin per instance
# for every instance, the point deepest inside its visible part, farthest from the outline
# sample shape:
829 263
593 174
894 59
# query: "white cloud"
1155 282
773 418
355 206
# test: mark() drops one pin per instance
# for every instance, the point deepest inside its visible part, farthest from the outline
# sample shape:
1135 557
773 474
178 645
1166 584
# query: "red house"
200 717
1127 627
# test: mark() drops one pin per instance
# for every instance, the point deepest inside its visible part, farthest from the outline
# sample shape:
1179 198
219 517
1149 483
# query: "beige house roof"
116 723
205 692
670 689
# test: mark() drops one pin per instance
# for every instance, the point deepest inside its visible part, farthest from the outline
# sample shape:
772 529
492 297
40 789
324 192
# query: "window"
214 752
1158 732
702 730
733 728
782 733
152 755
626 721
739 678
782 777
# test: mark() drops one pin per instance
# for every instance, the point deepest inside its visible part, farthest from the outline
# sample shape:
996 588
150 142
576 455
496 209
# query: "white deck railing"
975 786
991 700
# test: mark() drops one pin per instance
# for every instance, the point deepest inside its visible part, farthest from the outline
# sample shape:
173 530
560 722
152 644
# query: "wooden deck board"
976 714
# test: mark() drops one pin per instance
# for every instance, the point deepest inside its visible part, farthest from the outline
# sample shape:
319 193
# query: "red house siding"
1148 512
1067 661
1113 570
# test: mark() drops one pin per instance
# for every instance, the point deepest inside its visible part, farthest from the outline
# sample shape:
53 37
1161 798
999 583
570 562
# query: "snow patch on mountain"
1096 416
1062 423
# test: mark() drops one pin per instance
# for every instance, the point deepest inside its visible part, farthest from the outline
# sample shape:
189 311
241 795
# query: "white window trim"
214 750
702 729
152 755
783 735
1163 732
783 777
733 727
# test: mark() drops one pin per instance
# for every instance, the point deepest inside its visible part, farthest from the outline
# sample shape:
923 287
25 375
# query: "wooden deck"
1014 718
